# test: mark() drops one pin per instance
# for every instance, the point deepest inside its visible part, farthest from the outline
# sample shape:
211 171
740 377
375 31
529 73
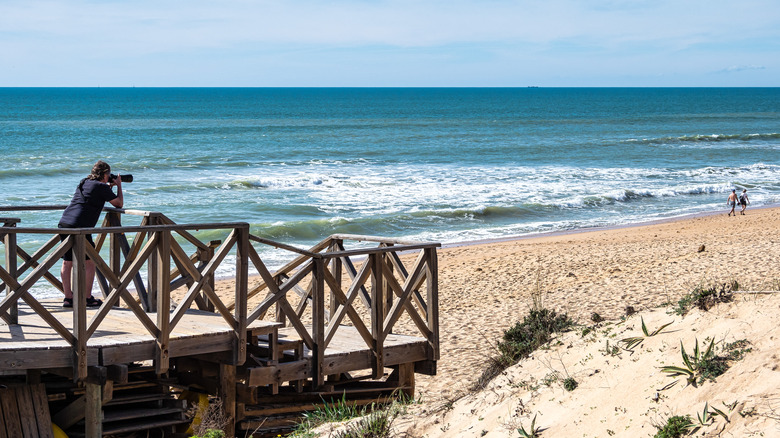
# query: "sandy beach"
486 288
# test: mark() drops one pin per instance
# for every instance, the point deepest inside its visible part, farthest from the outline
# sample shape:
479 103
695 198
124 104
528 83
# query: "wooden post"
153 266
93 419
336 268
11 266
280 316
432 285
227 393
318 320
205 256
162 286
405 382
115 247
388 292
79 287
377 313
242 287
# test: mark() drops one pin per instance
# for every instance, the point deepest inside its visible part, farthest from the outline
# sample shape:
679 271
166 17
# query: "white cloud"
736 68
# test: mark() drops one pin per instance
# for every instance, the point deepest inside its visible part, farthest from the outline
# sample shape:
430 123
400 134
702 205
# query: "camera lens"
125 178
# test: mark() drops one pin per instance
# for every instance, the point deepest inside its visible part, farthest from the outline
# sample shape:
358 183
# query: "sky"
390 43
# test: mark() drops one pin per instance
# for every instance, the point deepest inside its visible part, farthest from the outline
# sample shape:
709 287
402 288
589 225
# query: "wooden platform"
335 305
121 338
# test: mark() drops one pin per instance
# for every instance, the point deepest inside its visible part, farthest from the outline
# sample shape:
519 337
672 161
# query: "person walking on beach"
732 202
83 212
743 201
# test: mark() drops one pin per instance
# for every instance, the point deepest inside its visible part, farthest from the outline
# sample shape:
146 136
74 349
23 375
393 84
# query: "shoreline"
684 217
562 233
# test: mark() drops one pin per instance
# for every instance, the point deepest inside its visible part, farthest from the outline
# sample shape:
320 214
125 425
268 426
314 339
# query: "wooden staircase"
140 405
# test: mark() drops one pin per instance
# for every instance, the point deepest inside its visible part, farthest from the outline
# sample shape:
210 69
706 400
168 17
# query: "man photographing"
83 212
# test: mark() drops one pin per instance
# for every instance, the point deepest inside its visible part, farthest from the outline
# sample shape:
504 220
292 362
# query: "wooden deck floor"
121 338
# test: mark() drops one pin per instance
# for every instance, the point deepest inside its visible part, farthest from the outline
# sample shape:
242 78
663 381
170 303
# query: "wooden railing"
316 277
320 290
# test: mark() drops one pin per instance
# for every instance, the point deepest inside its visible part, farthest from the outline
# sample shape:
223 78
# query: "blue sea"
431 164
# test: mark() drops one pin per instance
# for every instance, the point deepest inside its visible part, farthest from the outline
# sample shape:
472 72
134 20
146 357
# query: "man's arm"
119 201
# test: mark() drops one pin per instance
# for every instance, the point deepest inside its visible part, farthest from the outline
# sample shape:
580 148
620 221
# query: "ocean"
430 164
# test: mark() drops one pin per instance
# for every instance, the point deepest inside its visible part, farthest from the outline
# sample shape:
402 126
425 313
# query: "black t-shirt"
87 203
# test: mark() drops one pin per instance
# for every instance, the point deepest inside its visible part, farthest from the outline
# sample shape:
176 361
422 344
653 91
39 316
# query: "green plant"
676 427
536 330
550 378
586 331
595 317
336 410
629 344
613 350
375 425
705 365
705 418
532 432
569 384
693 364
211 433
519 341
704 297
656 331
376 417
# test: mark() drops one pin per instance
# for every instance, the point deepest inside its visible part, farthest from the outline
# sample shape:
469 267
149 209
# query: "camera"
125 178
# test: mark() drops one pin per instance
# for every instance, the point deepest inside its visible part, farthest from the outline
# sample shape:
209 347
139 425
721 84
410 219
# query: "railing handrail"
322 267
32 207
127 229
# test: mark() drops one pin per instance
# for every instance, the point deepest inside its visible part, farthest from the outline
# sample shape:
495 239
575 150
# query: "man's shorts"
68 256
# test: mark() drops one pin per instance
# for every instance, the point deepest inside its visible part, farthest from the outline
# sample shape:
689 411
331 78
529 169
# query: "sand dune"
486 288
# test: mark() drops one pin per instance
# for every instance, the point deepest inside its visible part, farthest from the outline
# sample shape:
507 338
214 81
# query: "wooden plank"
279 373
26 411
227 383
79 281
13 427
93 421
377 313
378 239
433 303
240 301
406 379
162 281
379 250
71 414
318 319
11 250
33 358
3 421
262 411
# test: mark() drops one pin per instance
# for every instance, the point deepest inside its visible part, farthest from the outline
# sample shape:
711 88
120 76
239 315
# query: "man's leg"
65 273
90 268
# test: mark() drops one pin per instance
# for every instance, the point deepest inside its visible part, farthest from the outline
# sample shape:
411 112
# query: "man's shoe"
93 302
67 302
